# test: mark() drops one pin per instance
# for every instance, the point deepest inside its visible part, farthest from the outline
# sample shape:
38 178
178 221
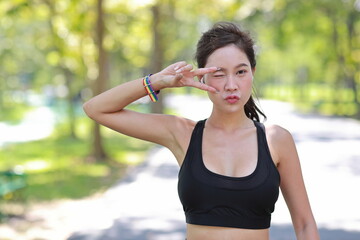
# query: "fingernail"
178 71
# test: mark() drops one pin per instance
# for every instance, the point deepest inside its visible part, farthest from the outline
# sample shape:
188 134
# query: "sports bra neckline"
246 177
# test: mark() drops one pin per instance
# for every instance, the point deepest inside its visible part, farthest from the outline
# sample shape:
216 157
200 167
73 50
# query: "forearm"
117 98
309 232
176 75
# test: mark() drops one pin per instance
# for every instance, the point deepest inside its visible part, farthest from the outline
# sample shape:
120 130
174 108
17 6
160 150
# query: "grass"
57 167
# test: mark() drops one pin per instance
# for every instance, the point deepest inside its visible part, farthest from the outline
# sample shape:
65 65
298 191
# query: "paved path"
145 205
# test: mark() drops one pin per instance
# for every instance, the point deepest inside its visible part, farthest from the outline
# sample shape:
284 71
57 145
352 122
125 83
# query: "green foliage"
53 43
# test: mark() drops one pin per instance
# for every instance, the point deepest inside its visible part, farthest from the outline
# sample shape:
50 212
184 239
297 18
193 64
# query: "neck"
229 121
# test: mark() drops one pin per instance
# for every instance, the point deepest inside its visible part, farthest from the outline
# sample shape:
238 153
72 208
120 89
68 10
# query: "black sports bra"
212 199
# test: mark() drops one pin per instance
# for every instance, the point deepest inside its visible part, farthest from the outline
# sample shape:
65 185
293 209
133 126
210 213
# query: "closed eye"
219 76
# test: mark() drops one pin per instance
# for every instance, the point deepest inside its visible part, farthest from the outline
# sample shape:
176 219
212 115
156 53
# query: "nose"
231 84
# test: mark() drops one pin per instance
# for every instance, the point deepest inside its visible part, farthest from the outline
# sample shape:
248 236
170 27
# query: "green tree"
102 79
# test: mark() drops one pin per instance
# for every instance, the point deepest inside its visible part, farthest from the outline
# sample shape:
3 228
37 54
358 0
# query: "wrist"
150 88
157 82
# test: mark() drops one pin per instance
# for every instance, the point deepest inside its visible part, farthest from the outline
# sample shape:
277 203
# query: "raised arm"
292 183
108 108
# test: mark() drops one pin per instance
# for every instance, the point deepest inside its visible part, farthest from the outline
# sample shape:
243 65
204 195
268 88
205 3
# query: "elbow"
88 110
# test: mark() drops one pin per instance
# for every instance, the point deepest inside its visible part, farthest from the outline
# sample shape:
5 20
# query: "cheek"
247 83
246 89
215 84
212 83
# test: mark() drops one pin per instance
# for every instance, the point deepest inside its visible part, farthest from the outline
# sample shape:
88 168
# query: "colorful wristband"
150 91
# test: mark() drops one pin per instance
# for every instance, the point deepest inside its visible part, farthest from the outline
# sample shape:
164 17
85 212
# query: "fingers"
185 71
178 65
203 71
178 76
182 67
204 87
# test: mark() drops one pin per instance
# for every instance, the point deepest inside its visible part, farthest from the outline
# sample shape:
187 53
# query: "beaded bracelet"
150 91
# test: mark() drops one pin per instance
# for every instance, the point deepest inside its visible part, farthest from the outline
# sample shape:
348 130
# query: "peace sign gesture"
181 74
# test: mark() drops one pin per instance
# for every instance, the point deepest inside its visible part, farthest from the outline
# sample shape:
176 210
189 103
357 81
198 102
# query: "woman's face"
233 80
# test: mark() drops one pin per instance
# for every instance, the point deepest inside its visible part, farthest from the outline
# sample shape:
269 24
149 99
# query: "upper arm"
292 183
166 130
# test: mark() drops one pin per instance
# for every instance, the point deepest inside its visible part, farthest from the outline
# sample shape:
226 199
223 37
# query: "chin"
231 108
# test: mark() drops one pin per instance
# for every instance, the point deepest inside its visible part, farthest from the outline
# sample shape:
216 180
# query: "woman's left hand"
181 74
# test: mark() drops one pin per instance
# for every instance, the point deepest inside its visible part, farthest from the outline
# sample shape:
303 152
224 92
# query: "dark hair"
221 35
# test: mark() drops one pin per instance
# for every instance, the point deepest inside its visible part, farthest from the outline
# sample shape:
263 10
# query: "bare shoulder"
278 139
277 133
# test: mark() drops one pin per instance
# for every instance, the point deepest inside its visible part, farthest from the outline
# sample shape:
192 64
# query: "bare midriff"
199 232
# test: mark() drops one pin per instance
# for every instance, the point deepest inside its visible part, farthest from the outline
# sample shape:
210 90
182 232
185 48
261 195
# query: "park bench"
10 182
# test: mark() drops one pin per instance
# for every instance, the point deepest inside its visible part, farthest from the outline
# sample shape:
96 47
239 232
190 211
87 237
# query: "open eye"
241 72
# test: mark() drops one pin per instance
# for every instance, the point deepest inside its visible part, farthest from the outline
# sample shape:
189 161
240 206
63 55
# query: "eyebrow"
220 69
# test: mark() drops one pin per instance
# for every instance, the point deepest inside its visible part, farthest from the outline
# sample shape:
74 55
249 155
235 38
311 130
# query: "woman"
231 165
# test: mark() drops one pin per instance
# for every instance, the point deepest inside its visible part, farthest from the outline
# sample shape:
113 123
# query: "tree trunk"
350 23
157 57
2 90
70 102
101 82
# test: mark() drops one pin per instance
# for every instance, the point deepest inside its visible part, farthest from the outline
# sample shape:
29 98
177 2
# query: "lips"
232 98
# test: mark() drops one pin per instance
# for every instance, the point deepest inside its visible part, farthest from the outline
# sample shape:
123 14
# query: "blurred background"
56 54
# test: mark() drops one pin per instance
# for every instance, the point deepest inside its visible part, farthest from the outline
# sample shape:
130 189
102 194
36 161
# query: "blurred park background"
56 54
